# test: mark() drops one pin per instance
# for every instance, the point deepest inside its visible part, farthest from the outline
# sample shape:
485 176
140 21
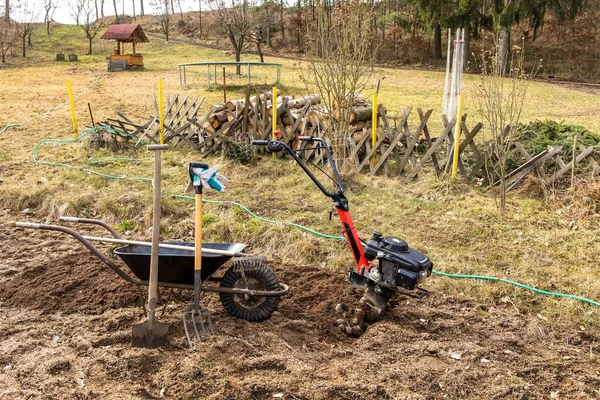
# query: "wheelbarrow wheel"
249 273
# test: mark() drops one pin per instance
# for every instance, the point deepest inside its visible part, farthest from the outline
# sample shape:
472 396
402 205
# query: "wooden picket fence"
402 150
581 162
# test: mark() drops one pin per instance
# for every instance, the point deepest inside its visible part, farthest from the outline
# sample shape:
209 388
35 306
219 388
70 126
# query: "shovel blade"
144 335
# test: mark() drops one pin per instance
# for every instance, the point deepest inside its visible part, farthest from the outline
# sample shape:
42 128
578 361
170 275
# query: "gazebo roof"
126 33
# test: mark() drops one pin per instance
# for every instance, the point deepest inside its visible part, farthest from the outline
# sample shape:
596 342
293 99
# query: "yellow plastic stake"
274 104
374 125
457 132
161 122
72 103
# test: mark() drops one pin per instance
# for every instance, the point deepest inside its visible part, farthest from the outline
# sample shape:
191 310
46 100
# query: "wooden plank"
125 118
569 166
300 118
436 166
431 150
515 176
177 111
397 138
357 148
380 140
560 163
255 107
246 105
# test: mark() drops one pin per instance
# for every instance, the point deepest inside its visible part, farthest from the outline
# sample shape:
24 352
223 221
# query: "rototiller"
384 264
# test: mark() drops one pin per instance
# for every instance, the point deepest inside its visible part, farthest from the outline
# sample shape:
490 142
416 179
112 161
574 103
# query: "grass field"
65 325
549 242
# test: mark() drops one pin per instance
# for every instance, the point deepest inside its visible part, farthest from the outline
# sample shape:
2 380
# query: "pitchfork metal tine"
200 320
209 320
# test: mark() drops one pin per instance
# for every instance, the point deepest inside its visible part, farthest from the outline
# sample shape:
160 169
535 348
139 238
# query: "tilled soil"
65 328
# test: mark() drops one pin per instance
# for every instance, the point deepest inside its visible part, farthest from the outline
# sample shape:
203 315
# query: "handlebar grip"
27 225
194 165
306 138
198 165
68 219
260 142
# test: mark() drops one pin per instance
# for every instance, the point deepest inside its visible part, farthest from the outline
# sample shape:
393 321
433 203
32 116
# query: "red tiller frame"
353 241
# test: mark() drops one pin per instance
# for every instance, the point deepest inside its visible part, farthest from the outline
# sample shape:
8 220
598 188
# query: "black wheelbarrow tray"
249 289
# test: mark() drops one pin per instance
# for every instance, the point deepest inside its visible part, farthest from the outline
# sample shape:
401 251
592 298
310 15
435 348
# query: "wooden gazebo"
125 33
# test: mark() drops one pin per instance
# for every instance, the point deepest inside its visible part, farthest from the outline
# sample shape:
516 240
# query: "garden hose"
291 224
435 272
87 170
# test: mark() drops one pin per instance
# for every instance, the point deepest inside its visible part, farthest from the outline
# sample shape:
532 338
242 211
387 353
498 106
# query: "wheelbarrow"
248 289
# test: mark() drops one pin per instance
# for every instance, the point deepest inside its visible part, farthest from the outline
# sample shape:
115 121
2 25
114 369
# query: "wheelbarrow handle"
85 242
28 225
92 221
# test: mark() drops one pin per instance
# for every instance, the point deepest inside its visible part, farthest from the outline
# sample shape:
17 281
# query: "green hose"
294 225
270 221
440 273
533 289
86 170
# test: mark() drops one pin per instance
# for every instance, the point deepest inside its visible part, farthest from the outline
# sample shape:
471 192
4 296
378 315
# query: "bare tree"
84 9
200 16
8 37
7 11
49 9
341 58
116 11
262 25
164 16
76 10
500 94
27 15
234 22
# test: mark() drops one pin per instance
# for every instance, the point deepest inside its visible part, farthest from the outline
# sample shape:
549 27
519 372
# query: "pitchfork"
200 176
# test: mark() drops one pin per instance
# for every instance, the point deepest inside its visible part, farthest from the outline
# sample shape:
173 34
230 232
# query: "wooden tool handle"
198 233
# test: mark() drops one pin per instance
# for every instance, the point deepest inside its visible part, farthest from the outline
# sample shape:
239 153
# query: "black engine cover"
397 252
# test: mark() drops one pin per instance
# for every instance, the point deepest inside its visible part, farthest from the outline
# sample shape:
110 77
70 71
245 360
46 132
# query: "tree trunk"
467 41
200 16
437 42
282 22
172 8
48 26
96 5
24 45
116 11
141 8
7 11
29 38
260 53
238 58
504 49
89 45
133 5
102 8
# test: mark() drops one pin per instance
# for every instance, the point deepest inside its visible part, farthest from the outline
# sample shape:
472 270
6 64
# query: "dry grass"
458 226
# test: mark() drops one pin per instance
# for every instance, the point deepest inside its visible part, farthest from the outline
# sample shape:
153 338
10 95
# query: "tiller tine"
195 318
